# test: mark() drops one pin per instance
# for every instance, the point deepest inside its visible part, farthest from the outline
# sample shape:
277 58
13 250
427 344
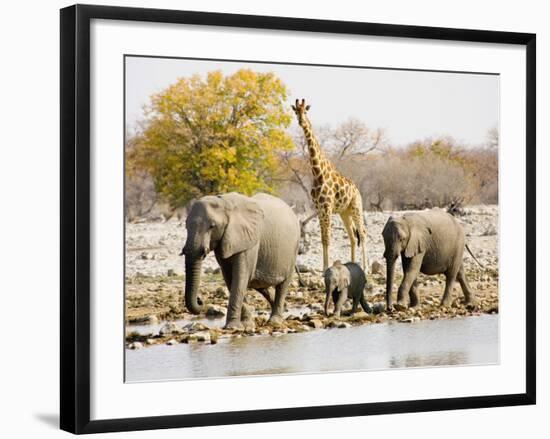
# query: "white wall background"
29 185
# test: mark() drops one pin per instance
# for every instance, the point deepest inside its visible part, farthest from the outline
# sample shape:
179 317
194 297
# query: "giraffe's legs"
360 229
324 223
348 224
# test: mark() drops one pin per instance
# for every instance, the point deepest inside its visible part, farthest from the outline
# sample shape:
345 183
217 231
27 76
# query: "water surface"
460 341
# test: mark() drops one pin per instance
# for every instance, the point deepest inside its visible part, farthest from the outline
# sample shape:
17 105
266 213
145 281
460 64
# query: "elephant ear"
418 242
343 276
243 226
343 283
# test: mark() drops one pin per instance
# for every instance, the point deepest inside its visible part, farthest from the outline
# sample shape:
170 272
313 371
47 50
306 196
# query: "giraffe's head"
301 109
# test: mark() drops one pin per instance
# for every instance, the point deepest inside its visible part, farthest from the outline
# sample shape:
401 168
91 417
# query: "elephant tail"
475 259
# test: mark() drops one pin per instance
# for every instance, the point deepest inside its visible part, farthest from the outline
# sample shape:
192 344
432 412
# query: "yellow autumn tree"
213 134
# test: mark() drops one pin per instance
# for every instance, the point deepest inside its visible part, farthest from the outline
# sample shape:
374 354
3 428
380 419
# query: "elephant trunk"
390 272
192 281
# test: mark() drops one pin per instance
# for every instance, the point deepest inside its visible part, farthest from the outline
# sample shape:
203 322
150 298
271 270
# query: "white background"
111 398
29 184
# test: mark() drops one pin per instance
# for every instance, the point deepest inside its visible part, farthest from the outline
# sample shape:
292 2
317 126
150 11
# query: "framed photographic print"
253 205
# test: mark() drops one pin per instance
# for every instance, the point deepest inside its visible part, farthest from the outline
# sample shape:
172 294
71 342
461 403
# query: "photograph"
286 218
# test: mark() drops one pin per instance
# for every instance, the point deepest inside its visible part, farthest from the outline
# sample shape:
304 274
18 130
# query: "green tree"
213 134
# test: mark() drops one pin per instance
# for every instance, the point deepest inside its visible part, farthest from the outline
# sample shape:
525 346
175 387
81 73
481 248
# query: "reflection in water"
471 340
437 359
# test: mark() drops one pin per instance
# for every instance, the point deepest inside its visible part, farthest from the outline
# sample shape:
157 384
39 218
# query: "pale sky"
408 105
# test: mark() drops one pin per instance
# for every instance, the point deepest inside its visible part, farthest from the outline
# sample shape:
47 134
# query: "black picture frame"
75 217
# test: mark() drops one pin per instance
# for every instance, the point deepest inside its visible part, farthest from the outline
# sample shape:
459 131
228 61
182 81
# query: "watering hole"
459 341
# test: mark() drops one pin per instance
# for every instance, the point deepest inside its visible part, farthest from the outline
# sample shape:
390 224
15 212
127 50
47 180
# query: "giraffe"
332 193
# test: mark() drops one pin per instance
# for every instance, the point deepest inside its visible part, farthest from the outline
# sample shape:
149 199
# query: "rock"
216 270
195 326
317 324
152 320
201 336
344 325
303 268
315 307
214 336
215 311
135 345
170 272
292 317
490 231
249 327
264 331
170 328
261 319
376 268
146 256
171 342
221 293
410 320
378 307
319 284
150 341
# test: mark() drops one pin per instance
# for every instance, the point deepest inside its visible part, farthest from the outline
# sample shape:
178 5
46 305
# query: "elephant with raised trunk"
255 241
430 242
343 281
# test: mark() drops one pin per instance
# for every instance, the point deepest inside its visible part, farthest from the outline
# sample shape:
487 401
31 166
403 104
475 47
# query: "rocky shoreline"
304 304
155 280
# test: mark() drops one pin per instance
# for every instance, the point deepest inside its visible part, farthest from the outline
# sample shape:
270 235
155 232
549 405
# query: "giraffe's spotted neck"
316 156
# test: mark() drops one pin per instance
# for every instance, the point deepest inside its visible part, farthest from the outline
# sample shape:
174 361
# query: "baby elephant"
429 242
343 281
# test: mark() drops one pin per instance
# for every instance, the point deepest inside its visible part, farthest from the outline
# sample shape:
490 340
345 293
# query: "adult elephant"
255 241
430 242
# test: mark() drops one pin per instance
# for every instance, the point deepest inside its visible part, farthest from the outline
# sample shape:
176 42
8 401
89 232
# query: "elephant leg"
247 316
340 303
226 273
348 224
447 298
411 268
234 309
239 284
335 296
414 296
469 296
325 223
268 294
278 307
354 305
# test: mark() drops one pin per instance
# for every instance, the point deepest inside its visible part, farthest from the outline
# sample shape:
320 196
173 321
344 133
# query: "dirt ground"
155 280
